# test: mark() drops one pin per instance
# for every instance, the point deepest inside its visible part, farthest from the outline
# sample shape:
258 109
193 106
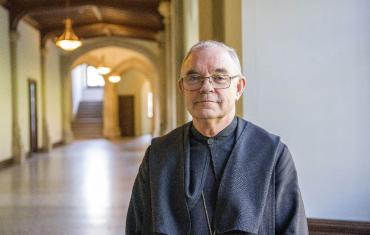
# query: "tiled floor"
79 189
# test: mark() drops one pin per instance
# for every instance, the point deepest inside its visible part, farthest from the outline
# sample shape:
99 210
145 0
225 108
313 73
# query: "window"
93 78
150 104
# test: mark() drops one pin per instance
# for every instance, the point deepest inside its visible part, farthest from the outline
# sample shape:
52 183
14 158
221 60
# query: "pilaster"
46 142
166 10
111 128
67 102
163 124
17 145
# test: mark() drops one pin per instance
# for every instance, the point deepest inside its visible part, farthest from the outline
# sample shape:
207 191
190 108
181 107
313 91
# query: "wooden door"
32 93
127 115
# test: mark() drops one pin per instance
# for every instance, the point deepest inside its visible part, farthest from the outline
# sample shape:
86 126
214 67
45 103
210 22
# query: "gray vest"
246 197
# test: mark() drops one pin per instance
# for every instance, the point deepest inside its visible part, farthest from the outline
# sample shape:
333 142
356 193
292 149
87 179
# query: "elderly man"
217 174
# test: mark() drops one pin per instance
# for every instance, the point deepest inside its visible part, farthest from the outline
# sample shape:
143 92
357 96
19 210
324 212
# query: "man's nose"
206 85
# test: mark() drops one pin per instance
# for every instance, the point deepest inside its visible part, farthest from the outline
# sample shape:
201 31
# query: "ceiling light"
103 70
68 41
114 78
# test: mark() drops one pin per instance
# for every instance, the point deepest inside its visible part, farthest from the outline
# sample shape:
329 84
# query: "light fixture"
102 69
114 78
68 41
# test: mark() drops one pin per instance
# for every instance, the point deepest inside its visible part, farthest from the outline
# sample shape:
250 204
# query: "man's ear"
181 88
240 86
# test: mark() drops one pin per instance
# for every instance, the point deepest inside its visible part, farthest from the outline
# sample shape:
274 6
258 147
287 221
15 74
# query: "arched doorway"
120 58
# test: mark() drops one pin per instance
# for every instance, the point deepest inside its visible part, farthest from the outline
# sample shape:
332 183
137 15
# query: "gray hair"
212 44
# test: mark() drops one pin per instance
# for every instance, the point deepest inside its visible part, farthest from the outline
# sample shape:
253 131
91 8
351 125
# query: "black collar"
227 131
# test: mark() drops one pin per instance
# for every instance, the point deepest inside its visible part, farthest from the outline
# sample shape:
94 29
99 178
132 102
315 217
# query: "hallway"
82 188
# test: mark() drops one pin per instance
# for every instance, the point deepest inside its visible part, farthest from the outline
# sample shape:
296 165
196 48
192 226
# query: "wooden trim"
29 154
339 227
6 163
58 144
42 150
33 141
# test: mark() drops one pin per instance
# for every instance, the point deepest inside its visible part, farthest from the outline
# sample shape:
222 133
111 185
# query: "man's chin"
205 114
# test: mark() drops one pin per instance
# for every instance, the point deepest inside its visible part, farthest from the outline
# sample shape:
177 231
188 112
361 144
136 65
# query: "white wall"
78 78
80 92
308 69
92 94
53 93
28 67
5 88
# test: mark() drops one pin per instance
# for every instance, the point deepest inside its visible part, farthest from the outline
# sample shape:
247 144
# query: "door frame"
33 138
132 97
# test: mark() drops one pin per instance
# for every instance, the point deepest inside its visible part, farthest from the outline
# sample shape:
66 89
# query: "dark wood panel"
127 115
32 99
102 29
48 16
339 227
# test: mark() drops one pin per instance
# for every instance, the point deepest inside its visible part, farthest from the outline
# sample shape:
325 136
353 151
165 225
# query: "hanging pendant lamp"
68 41
102 68
114 78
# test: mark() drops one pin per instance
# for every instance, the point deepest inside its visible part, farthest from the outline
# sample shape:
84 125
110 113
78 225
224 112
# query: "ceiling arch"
146 49
92 18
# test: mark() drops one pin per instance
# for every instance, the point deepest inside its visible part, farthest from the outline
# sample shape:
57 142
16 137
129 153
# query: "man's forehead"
215 58
210 52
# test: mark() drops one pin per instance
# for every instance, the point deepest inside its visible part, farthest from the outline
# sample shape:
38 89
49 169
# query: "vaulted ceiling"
91 18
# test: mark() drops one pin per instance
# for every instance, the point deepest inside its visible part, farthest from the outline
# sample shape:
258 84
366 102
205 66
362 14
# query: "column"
169 68
46 142
17 145
67 101
191 37
233 36
111 128
162 107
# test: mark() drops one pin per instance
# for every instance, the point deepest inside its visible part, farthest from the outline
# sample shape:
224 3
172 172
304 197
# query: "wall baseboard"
338 227
6 163
9 162
58 144
42 150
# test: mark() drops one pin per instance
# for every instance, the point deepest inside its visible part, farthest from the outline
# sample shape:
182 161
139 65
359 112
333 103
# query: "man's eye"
193 78
219 78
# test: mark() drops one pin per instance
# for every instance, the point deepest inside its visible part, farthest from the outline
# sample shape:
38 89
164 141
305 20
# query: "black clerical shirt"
208 158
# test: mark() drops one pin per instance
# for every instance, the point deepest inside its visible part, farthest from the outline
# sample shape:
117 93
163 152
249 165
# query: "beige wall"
191 23
5 88
146 122
205 19
133 83
233 35
28 67
53 93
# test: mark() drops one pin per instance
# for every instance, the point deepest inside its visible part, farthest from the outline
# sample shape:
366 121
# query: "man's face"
208 102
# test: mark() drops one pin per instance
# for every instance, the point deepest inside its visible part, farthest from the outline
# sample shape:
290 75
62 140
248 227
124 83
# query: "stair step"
89 120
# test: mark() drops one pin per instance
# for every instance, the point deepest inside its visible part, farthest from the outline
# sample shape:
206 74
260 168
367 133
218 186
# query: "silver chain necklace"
208 221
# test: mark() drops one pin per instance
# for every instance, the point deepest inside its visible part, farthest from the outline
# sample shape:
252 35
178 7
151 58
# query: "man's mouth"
207 101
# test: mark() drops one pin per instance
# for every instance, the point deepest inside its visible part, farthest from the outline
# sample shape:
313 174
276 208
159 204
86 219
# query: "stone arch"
146 49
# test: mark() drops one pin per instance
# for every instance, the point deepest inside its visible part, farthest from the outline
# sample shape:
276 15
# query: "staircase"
88 123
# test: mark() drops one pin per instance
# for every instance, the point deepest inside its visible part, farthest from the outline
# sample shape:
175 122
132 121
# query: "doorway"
32 93
127 115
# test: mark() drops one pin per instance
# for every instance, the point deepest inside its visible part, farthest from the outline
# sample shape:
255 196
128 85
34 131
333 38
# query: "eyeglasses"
193 82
